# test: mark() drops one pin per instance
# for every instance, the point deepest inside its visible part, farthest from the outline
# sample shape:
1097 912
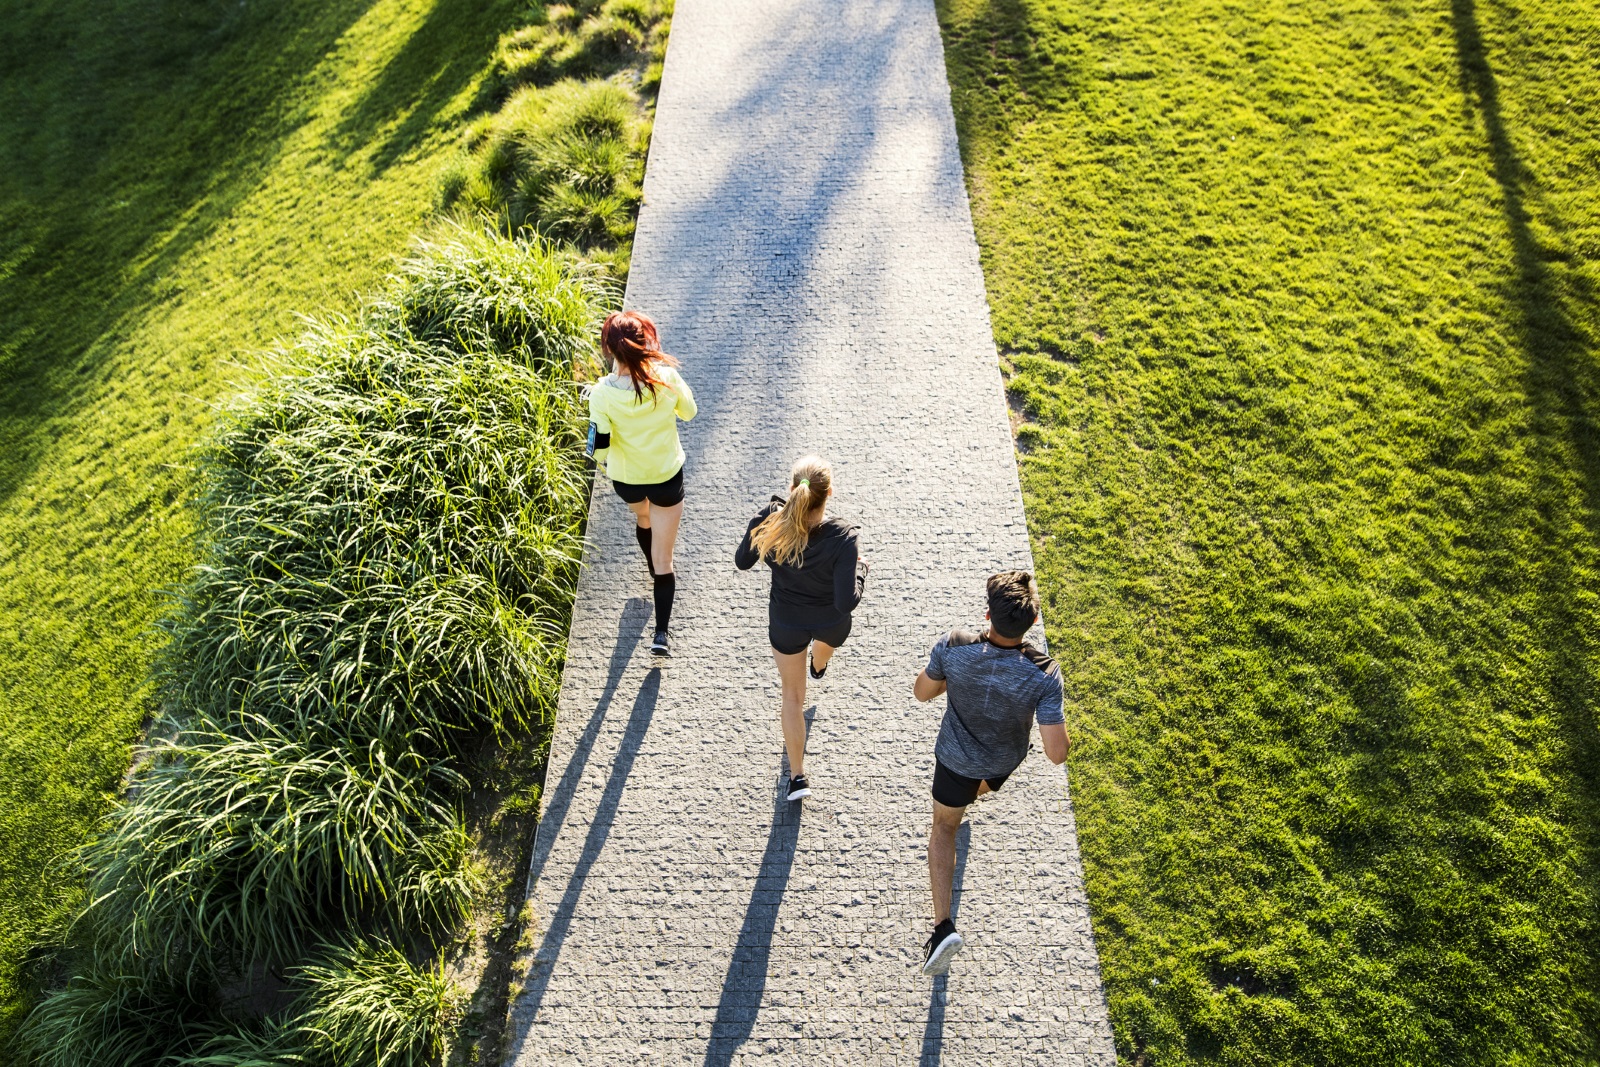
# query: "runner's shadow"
933 1033
629 629
644 706
746 981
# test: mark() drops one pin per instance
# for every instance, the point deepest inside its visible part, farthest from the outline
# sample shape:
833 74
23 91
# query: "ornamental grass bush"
366 1005
565 160
243 849
395 515
582 40
392 531
563 155
363 1003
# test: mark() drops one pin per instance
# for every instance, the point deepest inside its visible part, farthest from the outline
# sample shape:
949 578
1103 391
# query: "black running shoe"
941 948
799 787
811 669
658 646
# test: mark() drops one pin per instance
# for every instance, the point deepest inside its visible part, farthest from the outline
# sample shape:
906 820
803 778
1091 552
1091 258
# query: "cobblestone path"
807 250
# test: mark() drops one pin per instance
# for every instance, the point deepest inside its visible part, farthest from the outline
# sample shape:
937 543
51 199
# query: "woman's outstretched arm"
746 556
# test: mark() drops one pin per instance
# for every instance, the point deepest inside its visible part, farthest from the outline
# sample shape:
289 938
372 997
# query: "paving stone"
806 249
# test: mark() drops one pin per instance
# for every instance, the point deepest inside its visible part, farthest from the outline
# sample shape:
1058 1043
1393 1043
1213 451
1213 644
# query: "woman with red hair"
633 427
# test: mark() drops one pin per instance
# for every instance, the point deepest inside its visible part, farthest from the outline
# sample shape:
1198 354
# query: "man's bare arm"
926 688
1056 741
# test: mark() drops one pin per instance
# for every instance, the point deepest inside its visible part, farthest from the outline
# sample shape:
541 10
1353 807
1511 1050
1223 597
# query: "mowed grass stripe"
1298 305
179 180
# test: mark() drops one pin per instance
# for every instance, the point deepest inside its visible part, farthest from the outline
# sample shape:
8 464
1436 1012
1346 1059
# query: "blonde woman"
817 581
633 428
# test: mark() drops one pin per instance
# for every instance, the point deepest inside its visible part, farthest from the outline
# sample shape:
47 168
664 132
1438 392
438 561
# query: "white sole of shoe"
800 794
939 960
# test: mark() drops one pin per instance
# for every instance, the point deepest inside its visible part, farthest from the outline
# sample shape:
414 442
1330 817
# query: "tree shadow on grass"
165 117
442 58
162 119
1563 386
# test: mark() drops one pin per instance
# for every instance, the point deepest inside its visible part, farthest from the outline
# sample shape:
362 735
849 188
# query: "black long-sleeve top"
827 583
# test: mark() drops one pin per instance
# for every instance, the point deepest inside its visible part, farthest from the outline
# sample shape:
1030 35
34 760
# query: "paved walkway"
807 249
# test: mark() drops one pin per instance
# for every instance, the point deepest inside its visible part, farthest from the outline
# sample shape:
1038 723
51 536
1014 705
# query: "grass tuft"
110 1016
366 1005
242 844
394 516
564 154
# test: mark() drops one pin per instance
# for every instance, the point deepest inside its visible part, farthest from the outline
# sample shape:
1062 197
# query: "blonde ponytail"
783 535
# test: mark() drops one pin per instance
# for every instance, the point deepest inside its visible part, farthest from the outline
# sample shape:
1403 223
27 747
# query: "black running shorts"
790 641
957 790
661 494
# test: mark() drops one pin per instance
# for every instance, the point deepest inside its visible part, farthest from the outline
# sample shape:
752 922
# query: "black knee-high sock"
666 587
643 534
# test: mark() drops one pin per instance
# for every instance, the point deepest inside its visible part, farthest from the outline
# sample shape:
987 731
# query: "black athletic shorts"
661 494
957 790
790 641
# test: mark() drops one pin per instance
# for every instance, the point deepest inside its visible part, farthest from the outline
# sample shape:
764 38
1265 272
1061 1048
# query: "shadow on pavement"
644 706
630 627
933 1033
746 981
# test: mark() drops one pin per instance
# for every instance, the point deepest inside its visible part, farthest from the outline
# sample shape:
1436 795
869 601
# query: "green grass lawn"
178 178
1299 309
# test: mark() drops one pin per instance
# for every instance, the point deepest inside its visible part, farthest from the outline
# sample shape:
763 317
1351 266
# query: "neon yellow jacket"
644 432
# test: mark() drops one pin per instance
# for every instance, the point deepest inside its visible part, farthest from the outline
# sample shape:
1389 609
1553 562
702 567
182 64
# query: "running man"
996 687
633 428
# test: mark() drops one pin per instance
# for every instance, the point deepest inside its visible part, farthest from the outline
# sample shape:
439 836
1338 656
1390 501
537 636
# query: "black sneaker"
811 669
658 646
799 788
941 948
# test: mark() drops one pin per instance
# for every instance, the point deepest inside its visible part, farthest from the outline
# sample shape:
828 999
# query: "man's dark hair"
1013 603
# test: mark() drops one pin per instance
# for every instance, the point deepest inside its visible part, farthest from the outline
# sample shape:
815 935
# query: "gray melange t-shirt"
993 696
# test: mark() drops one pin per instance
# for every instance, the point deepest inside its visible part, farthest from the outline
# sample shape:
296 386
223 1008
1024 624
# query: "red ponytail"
630 338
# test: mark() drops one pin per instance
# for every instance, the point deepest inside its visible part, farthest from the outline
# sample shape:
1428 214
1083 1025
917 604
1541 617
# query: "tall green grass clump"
367 1005
244 843
392 536
394 515
564 153
591 38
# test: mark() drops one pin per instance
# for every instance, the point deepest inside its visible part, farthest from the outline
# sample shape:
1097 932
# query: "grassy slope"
1299 303
176 180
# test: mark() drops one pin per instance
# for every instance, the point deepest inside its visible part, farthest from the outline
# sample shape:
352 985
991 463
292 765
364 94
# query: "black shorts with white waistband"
661 494
957 790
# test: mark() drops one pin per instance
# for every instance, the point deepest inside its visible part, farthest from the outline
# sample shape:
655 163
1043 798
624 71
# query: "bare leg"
641 514
664 523
792 671
820 655
942 857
